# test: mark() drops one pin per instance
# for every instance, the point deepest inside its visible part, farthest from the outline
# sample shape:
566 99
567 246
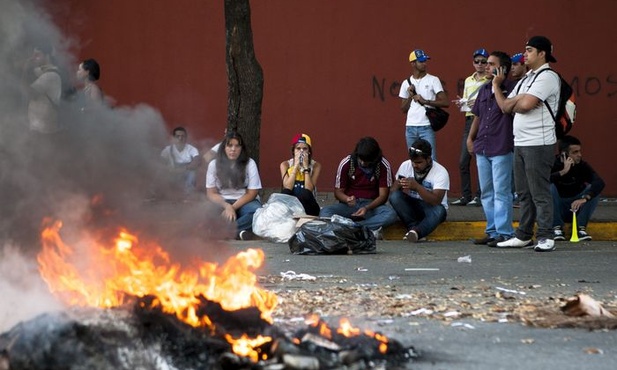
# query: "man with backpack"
532 102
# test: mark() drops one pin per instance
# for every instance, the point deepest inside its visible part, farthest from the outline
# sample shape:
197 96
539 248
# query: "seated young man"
362 185
420 194
575 187
182 160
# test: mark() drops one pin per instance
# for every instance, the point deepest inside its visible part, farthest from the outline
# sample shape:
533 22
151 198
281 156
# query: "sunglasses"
480 62
415 150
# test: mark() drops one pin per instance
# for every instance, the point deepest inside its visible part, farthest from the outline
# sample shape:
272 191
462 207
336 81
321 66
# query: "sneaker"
514 242
558 234
483 241
462 201
411 236
582 234
378 233
544 245
475 202
245 235
493 243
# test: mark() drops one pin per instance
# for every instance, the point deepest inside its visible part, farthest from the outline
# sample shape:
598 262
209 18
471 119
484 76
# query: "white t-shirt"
251 182
537 127
428 87
179 157
437 178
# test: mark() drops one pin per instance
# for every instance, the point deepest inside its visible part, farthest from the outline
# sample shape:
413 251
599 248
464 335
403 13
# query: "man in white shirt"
534 143
183 159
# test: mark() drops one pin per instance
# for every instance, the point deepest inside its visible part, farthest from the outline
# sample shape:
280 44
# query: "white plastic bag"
275 220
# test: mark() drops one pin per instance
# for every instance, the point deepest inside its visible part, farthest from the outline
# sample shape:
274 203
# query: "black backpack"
566 108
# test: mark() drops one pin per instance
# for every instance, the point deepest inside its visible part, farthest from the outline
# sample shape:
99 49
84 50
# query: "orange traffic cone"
574 238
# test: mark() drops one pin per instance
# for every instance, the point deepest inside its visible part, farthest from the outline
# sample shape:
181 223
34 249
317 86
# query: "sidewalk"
467 222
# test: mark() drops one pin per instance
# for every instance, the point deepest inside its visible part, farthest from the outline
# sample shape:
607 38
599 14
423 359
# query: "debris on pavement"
292 275
464 259
584 305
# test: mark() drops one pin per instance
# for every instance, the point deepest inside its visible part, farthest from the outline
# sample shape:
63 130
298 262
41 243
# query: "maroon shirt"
359 185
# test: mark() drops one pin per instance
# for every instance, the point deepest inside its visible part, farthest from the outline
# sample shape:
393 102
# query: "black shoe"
475 202
462 201
484 241
493 243
246 235
582 234
558 234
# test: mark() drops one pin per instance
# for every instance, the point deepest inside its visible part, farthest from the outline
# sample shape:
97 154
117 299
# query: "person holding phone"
420 194
300 174
575 187
491 141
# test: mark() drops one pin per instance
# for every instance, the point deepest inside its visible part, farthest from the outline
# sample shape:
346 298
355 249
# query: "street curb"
466 230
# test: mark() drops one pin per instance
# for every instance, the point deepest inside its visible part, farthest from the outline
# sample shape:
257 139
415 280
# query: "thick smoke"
96 172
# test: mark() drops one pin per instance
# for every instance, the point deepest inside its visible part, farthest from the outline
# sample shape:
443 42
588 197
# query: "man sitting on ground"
575 187
420 194
183 160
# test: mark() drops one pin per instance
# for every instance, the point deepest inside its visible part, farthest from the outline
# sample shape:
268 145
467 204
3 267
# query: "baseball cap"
543 44
518 58
301 138
418 55
482 52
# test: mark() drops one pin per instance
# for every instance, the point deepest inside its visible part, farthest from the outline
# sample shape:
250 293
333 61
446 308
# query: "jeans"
413 133
244 215
464 163
532 171
417 214
495 175
381 216
562 206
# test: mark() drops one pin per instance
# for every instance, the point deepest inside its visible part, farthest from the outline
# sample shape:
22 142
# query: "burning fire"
347 330
129 268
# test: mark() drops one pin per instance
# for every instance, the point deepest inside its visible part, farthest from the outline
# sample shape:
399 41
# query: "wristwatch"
586 197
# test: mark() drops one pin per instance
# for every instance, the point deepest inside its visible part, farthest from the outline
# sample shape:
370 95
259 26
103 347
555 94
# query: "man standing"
575 188
44 92
420 194
362 186
534 143
471 88
518 67
492 142
418 91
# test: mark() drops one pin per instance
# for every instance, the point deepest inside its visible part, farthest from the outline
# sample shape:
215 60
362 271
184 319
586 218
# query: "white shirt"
179 157
251 182
437 178
537 127
428 87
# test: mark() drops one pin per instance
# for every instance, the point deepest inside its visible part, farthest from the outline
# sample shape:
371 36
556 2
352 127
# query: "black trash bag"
327 237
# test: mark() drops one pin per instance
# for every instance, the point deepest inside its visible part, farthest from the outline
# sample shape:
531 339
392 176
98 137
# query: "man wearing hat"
519 69
534 143
471 88
417 92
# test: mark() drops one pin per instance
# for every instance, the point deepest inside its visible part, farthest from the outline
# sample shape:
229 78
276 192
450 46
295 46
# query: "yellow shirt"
472 88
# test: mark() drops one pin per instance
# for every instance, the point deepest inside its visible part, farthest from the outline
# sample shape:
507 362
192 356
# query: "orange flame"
109 276
347 330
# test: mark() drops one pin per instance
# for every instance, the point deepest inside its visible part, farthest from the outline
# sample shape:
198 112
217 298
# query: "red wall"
332 68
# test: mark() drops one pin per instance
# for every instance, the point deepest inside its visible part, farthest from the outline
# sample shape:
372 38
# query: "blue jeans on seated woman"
417 214
244 215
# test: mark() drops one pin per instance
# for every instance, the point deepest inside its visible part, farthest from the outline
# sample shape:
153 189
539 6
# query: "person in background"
44 87
88 73
182 159
420 194
575 187
233 183
300 174
519 69
417 92
472 86
362 186
491 141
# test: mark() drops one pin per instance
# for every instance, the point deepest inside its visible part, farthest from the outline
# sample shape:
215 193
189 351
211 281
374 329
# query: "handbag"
437 117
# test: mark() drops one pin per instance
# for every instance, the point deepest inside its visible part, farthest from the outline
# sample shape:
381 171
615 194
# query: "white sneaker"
378 233
544 245
514 243
411 236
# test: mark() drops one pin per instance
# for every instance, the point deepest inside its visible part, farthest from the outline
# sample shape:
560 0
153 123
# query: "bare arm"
473 132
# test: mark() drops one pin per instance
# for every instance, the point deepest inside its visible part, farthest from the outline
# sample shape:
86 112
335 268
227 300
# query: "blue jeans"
562 206
532 171
413 133
381 216
495 175
417 214
244 215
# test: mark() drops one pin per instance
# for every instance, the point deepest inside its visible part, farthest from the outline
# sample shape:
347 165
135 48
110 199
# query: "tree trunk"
244 74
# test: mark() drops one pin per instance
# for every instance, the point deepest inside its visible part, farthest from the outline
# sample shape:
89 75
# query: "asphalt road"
433 268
